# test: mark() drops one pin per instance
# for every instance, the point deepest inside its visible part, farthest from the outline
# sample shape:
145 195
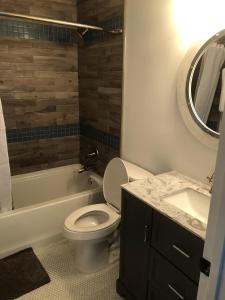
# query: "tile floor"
68 284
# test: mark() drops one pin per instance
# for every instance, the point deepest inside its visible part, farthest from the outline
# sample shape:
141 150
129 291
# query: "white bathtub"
42 200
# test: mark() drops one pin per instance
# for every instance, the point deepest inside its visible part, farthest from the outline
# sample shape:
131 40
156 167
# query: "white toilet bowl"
92 222
92 227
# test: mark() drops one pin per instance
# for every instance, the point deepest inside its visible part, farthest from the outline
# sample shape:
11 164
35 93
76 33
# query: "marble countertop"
153 189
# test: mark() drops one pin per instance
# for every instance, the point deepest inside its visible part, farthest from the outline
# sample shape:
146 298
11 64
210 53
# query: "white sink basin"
192 202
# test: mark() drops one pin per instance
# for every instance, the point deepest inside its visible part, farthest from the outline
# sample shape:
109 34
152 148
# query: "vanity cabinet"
177 244
163 276
159 259
136 220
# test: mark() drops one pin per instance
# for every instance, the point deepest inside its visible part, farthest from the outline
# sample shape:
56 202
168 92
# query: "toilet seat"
91 222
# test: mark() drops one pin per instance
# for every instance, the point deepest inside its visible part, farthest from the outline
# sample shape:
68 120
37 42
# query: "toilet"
93 228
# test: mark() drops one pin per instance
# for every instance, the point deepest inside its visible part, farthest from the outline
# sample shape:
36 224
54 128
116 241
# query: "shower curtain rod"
57 22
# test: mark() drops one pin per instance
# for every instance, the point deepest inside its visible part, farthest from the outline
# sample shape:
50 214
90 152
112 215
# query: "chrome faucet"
92 159
210 181
94 154
87 168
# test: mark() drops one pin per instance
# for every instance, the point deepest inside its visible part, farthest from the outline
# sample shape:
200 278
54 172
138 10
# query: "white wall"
153 134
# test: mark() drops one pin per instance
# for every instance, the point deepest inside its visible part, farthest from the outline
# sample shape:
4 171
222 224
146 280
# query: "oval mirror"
205 85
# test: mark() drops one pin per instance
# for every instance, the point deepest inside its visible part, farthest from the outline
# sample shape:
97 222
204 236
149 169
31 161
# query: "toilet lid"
115 175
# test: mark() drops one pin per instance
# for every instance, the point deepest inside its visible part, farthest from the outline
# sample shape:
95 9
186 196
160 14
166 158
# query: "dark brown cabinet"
159 259
178 245
136 221
163 276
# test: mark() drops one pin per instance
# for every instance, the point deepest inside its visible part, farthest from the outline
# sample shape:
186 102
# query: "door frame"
212 287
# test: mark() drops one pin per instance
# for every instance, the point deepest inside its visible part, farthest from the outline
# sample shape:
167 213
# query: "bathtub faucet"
91 160
94 154
87 168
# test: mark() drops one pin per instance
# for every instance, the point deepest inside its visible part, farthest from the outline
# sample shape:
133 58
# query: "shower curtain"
5 177
213 60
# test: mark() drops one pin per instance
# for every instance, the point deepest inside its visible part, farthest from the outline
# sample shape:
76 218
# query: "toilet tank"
119 172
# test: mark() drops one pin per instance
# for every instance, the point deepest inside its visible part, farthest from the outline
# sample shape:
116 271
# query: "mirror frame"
193 65
204 134
189 99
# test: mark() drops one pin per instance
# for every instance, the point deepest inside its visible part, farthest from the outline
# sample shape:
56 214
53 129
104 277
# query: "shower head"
80 35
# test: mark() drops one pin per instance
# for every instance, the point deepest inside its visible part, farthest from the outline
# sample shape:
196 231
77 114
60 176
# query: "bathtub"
42 200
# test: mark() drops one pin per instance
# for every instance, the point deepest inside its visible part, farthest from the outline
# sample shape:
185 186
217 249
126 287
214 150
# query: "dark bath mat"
21 273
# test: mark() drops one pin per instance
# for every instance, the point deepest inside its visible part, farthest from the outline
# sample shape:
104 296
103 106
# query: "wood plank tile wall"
100 79
56 9
39 87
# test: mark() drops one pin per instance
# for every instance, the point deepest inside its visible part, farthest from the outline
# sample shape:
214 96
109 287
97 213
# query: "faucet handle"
95 153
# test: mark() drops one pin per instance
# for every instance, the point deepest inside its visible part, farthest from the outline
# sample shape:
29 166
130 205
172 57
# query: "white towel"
5 177
222 95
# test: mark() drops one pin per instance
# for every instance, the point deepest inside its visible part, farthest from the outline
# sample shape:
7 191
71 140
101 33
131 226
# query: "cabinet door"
155 294
167 279
136 218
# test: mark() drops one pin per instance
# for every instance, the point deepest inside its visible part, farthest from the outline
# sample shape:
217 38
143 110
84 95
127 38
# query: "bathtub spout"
86 169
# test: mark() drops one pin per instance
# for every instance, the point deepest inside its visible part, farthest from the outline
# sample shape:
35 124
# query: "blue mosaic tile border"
114 23
36 31
100 136
46 132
